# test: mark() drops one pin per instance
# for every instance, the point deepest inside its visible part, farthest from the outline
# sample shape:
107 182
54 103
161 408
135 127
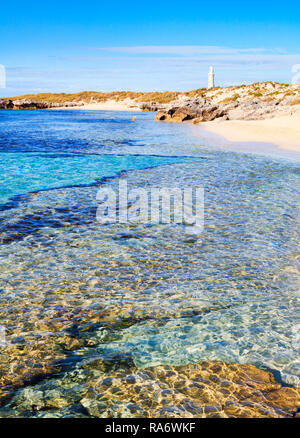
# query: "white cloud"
147 68
182 50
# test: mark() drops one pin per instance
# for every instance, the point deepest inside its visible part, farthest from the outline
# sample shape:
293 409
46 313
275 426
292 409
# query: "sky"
72 46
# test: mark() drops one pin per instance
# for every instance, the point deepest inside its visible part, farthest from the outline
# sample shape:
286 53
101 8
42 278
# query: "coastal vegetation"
258 93
256 90
295 102
96 96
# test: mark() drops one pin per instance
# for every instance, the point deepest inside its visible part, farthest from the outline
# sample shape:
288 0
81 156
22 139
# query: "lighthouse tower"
211 78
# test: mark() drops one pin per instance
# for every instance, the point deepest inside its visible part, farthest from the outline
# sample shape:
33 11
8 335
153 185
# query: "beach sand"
283 132
109 105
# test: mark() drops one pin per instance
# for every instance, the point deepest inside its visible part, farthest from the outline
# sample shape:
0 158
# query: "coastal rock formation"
6 104
151 106
29 104
32 105
205 110
252 102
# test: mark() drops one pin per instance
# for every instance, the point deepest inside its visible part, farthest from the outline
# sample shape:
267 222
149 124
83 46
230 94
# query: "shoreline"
282 131
108 105
279 136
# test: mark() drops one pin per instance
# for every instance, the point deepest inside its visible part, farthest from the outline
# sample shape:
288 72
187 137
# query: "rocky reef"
207 389
116 388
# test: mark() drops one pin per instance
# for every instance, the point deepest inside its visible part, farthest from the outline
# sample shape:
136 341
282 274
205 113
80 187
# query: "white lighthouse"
211 78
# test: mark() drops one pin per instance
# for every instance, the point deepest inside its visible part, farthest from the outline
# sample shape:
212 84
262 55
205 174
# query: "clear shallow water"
72 290
23 173
44 150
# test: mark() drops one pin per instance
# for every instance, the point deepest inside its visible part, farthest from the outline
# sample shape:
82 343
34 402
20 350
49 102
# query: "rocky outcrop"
152 106
202 110
29 104
21 104
6 104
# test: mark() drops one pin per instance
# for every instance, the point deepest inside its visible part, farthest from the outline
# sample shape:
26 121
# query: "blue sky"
70 46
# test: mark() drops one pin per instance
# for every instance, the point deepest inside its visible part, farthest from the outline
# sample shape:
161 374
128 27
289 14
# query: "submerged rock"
109 363
208 389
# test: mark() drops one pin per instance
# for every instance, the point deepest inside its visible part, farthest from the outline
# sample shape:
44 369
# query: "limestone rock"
151 106
21 104
6 104
204 110
201 110
207 389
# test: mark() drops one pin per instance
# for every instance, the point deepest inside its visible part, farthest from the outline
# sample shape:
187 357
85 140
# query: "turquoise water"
73 290
27 172
44 150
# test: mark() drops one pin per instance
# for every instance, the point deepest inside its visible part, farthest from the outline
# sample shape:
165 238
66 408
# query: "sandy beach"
283 132
109 105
